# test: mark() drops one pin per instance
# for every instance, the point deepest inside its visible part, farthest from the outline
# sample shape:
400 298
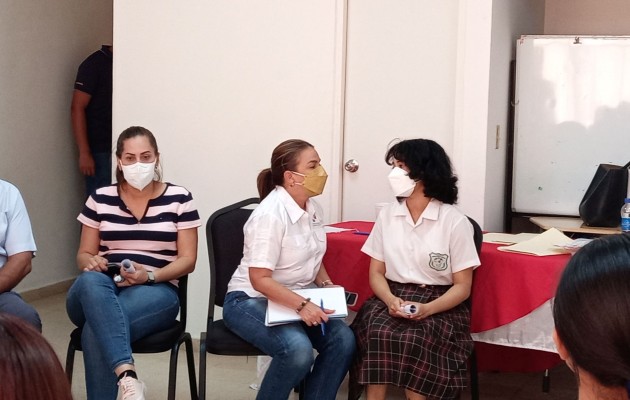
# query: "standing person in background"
91 113
29 366
17 249
591 312
284 246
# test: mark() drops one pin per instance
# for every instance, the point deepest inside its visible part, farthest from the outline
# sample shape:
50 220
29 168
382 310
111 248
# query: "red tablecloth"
346 264
506 287
509 286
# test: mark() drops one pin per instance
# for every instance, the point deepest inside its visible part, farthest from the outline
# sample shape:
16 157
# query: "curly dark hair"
427 161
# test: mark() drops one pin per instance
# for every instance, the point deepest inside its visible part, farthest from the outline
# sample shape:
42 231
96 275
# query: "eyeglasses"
145 158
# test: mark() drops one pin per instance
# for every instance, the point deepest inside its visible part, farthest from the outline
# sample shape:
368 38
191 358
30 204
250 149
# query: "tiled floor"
228 378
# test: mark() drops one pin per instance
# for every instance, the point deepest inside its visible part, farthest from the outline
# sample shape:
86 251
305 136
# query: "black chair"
224 236
159 342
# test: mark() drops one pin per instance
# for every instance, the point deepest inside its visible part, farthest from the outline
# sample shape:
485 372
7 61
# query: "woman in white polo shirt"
284 246
414 333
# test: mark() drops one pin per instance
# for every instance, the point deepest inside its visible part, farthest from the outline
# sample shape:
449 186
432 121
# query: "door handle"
351 165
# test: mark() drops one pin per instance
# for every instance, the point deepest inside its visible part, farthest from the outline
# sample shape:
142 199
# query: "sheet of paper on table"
334 298
334 229
547 243
507 238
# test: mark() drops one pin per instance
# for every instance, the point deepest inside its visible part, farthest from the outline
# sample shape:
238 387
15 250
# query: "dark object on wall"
605 195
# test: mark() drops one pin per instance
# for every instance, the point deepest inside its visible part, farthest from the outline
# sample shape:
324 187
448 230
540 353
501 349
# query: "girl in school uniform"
415 332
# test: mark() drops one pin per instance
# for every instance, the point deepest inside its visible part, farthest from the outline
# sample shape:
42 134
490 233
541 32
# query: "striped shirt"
150 241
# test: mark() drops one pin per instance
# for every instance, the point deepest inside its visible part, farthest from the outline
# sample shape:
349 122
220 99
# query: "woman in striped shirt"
154 225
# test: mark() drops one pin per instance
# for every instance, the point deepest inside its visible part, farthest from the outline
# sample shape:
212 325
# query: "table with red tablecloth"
507 287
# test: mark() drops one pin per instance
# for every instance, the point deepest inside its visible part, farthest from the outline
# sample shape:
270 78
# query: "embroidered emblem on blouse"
438 261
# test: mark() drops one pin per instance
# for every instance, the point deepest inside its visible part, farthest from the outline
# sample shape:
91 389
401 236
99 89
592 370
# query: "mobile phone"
113 269
351 298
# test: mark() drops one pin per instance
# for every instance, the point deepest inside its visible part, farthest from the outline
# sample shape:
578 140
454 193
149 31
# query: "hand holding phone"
112 270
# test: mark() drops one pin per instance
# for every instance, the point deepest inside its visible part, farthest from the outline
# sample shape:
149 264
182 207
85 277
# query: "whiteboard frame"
567 120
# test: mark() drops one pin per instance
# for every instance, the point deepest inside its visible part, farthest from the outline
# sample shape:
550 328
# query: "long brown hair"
29 367
284 158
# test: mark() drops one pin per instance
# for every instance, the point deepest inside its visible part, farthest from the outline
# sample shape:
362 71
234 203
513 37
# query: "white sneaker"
131 389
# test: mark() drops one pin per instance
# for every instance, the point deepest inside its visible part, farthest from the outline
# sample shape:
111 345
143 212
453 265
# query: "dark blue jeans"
291 346
12 303
112 318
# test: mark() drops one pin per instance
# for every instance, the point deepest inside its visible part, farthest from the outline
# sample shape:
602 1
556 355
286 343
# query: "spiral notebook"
334 299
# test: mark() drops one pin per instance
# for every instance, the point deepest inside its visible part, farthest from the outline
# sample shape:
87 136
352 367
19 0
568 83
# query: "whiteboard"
572 113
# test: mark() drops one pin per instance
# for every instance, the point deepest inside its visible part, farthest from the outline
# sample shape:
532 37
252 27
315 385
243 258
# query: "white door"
400 83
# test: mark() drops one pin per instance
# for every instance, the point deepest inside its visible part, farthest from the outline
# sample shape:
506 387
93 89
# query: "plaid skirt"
428 356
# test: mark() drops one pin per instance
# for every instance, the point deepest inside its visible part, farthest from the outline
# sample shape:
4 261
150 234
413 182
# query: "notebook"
334 299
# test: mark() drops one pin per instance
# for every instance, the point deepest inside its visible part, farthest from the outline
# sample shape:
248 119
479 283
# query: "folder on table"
507 238
545 244
334 298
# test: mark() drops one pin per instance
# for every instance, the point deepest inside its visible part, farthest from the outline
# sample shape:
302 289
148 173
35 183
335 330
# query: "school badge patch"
438 261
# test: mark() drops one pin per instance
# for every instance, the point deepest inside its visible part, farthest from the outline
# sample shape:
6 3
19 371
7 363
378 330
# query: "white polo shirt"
429 251
16 235
284 238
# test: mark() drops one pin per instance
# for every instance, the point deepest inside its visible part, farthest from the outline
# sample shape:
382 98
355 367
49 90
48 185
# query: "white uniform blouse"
429 251
284 238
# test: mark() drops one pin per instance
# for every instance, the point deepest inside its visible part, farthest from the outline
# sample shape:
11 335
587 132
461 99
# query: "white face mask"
402 185
139 175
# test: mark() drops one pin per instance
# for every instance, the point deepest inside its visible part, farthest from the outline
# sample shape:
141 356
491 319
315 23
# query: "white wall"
220 84
471 105
42 43
510 20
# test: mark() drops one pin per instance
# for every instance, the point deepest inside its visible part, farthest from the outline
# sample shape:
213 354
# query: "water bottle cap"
627 200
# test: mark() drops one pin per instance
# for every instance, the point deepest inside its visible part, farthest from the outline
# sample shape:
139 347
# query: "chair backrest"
478 235
183 299
224 236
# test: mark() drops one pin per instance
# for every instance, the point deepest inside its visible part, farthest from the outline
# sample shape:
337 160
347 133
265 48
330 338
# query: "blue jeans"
12 303
102 173
291 346
112 318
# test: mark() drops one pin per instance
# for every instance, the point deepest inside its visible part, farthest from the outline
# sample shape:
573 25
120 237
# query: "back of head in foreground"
29 367
592 317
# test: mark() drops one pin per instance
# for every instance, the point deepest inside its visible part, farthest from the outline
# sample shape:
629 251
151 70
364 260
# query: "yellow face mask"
314 181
